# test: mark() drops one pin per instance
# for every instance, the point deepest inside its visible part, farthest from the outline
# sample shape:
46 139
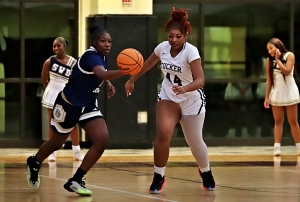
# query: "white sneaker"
52 157
77 156
277 151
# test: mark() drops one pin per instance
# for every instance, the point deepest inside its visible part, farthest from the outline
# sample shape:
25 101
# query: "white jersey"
177 70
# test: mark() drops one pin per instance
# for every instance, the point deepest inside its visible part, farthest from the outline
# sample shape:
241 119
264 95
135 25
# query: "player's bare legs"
168 115
278 114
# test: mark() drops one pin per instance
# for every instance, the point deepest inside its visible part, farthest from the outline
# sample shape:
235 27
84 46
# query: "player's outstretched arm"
102 74
148 64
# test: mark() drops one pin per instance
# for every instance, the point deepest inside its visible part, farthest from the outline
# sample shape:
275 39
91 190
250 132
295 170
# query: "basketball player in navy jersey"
181 99
55 75
77 103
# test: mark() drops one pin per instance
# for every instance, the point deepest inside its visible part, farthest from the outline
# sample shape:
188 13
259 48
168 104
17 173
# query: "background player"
181 98
55 75
77 103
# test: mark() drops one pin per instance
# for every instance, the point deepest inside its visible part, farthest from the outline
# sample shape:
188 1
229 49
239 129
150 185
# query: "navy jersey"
84 86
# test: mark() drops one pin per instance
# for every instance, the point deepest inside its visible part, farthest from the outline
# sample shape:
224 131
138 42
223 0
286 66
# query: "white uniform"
59 76
284 91
177 71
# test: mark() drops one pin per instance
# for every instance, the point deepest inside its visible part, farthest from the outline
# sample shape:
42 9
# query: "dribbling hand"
129 86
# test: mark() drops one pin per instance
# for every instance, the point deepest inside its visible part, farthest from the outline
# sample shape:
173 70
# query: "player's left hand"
111 90
178 90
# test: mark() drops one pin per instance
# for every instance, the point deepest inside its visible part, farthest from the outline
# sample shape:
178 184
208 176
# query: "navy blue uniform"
77 102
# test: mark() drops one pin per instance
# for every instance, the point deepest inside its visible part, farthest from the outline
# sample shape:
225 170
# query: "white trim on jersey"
59 128
82 70
90 115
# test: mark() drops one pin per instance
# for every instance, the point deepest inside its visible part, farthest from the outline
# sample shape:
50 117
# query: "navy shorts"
65 115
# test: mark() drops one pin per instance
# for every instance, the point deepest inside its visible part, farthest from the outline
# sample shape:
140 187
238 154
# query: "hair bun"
93 28
179 14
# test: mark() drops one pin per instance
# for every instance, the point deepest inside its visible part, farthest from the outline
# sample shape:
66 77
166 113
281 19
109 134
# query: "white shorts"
51 93
193 105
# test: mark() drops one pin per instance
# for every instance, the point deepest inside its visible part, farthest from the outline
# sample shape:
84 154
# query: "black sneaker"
78 187
33 177
158 184
208 180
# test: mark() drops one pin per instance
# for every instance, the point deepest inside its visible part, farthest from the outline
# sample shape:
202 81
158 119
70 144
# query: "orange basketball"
130 61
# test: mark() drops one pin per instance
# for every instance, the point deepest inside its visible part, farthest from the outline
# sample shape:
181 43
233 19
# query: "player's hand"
111 90
266 103
178 90
277 54
129 86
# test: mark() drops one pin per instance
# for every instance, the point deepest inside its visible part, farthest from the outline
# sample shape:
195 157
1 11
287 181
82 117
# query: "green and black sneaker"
33 177
77 187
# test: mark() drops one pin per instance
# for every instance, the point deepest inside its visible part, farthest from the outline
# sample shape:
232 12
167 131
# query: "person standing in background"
281 91
55 75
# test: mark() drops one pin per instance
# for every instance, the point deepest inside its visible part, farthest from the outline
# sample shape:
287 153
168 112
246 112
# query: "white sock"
75 148
206 169
160 170
298 145
276 144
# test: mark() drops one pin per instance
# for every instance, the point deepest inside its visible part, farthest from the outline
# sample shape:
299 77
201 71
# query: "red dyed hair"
178 20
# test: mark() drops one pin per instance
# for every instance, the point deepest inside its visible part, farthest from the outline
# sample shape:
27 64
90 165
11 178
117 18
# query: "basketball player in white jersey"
55 75
181 98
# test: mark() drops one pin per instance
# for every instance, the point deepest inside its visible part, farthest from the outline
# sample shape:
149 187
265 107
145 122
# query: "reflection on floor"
243 174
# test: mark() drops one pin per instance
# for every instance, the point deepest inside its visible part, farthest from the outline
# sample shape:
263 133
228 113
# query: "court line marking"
114 190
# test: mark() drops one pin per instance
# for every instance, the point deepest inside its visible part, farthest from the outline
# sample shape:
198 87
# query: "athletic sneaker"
77 187
158 184
277 151
52 157
33 177
208 180
77 156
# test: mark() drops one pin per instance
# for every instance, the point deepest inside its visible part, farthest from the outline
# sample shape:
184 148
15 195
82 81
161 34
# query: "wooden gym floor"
242 174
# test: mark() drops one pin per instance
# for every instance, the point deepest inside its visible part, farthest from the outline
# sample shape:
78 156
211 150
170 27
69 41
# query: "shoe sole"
28 179
158 191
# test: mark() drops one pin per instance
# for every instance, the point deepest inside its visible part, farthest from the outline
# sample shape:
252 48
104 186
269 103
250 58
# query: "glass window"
43 23
10 111
297 39
235 37
10 40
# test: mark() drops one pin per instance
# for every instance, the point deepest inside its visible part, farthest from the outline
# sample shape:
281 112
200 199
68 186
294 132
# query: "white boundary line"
114 190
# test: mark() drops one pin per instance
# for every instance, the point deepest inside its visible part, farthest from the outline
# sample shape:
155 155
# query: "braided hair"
178 20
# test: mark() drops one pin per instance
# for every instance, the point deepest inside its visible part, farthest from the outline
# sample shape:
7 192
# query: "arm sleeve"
193 54
88 62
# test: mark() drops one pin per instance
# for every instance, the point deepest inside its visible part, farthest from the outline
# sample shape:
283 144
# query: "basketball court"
242 174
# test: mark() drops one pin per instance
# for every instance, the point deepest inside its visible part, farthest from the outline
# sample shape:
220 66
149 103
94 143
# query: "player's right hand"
129 86
266 103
